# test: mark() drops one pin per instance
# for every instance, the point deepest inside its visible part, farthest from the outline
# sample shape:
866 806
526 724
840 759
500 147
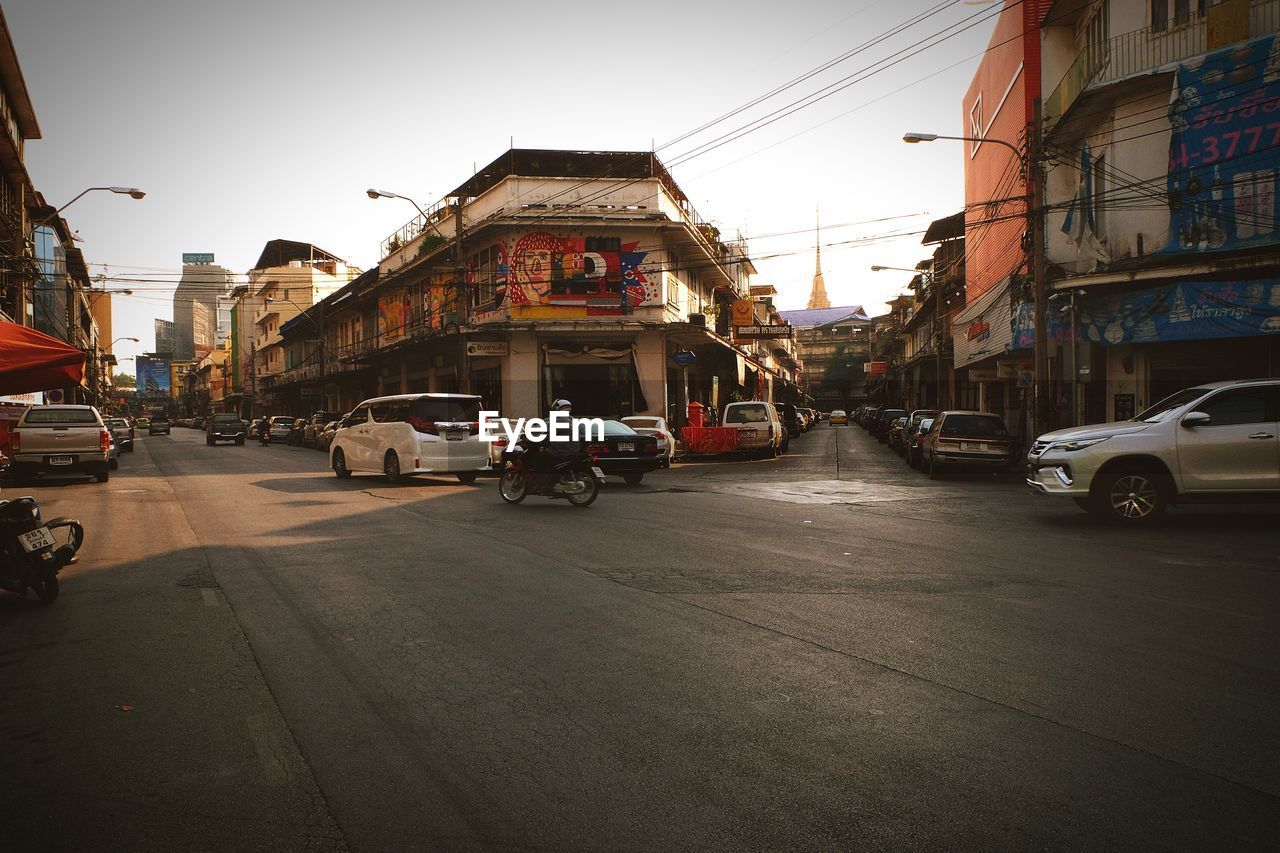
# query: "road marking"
267 747
824 491
210 597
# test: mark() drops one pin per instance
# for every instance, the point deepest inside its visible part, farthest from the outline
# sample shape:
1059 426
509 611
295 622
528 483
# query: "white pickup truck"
60 440
1218 442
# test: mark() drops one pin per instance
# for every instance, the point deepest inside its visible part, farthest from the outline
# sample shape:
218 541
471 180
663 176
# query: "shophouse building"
1161 160
558 274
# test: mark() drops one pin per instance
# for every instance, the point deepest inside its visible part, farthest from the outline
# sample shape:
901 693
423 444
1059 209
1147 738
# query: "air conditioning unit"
699 320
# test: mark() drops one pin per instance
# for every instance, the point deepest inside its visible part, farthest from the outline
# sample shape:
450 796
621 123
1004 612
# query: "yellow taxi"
838 417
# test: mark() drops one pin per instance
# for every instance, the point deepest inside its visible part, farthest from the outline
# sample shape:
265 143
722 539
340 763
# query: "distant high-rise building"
818 296
166 335
201 284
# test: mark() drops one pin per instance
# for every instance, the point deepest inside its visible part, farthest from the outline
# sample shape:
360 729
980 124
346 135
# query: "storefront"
989 376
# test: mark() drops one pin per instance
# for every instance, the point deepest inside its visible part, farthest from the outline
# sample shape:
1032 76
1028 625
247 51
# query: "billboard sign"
197 257
153 377
757 332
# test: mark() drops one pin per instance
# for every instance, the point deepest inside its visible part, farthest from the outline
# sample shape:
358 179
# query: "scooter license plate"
599 474
34 540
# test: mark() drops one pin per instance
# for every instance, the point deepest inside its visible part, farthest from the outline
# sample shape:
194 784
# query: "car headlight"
1077 444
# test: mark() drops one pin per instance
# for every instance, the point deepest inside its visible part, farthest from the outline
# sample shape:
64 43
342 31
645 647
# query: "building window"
975 124
1159 15
1097 37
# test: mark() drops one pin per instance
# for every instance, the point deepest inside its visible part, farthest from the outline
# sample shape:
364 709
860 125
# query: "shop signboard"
1183 311
878 368
1223 157
481 349
684 358
197 257
986 374
757 332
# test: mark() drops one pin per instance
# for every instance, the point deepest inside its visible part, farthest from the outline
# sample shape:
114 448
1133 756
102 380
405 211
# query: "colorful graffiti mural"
602 273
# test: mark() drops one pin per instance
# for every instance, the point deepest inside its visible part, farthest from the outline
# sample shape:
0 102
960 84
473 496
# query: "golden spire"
818 297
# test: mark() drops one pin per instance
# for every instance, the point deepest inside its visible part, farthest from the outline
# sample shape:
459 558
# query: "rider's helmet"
562 405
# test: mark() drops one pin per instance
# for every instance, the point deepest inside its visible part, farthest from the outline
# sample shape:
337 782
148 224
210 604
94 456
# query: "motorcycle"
30 555
575 480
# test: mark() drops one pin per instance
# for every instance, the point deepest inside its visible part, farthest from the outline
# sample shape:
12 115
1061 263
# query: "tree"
843 372
124 380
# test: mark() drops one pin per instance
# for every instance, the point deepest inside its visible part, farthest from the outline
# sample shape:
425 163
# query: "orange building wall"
994 249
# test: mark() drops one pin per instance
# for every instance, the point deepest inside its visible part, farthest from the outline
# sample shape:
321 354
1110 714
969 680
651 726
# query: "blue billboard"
1224 149
153 377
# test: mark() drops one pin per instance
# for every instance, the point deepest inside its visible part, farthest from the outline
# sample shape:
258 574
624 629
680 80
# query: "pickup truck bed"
57 440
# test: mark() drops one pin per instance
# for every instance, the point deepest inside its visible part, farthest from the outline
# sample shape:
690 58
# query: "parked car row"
939 441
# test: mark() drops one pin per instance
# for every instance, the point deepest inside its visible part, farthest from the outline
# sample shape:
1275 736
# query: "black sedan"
624 452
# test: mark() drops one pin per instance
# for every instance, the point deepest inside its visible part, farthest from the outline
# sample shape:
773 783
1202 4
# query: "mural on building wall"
602 273
1224 150
394 310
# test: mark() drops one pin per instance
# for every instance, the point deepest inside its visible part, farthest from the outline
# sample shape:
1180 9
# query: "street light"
376 194
132 192
1028 160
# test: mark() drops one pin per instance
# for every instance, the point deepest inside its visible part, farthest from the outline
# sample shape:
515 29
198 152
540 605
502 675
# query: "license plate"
36 539
599 474
61 460
454 435
973 445
626 445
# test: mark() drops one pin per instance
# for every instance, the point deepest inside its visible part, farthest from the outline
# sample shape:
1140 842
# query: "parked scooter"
30 556
575 480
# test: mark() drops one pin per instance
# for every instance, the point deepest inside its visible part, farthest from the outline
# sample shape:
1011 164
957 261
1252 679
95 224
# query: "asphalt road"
772 654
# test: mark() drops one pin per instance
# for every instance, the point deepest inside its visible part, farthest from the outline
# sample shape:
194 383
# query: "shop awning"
33 361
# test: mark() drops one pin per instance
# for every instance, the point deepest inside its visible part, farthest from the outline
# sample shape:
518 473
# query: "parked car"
868 415
790 416
280 427
884 420
296 431
315 424
895 434
53 440
412 434
966 439
625 452
121 432
838 417
915 443
1212 443
325 438
913 424
656 427
760 429
142 422
158 425
225 427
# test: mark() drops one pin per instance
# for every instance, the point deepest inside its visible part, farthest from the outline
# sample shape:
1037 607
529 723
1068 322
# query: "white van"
759 427
411 434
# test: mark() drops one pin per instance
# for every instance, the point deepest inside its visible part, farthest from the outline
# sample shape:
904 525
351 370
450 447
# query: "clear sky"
248 121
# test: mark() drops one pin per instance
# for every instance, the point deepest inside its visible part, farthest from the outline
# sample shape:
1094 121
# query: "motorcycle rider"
547 454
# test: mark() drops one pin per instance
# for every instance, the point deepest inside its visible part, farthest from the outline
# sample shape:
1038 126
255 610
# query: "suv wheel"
1130 496
391 467
340 465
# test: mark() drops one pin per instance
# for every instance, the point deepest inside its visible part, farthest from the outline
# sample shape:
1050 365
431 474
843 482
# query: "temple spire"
818 297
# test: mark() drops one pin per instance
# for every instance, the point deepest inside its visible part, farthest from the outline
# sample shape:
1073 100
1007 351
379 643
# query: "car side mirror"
1196 419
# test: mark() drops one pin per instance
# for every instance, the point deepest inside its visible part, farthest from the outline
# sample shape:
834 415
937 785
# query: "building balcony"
1143 52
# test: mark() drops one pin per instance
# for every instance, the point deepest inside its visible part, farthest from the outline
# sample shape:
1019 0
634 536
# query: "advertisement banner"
153 377
393 314
1224 151
1182 312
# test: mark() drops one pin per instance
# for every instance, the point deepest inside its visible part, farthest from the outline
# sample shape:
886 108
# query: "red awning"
33 361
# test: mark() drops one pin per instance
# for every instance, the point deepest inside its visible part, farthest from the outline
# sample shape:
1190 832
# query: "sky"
250 121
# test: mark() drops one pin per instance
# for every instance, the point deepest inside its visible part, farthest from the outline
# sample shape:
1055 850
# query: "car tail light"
500 441
597 449
104 441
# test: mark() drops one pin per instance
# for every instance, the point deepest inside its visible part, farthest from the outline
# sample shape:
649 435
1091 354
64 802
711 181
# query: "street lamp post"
132 192
1035 203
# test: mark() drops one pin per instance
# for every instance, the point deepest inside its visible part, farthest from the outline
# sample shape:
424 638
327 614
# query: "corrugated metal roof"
807 318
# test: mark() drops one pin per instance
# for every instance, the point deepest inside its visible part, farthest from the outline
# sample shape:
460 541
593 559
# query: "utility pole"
1035 212
460 276
937 319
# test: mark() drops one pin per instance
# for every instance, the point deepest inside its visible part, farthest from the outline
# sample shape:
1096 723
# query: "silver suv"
1214 442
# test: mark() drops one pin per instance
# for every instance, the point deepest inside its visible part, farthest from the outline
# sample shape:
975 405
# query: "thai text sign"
757 332
1224 150
1185 311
